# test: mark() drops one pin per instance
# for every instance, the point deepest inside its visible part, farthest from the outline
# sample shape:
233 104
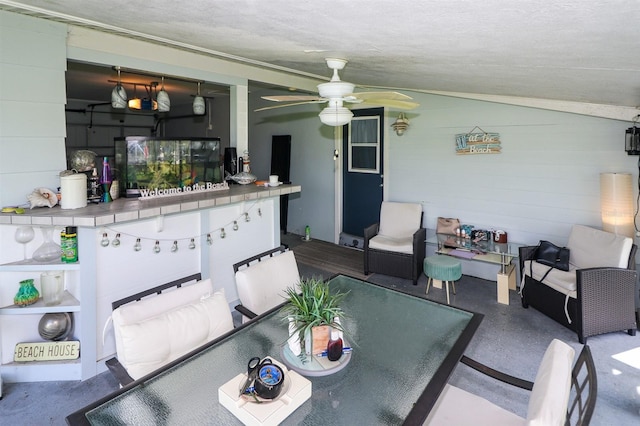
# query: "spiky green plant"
312 304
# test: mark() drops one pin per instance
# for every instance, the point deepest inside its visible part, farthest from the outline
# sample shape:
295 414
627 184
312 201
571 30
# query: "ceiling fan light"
336 116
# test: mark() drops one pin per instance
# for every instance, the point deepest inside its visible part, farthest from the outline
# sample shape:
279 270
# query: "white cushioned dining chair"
559 395
396 245
261 281
159 325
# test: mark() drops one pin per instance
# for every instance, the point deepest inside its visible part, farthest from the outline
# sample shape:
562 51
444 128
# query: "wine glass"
24 235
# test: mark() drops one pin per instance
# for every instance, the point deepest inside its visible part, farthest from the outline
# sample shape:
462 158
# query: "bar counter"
130 209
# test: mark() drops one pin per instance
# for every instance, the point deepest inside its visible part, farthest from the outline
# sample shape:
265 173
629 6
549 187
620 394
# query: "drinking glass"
24 235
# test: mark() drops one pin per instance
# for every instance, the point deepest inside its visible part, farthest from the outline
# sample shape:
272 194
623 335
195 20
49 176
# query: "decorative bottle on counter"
69 244
106 180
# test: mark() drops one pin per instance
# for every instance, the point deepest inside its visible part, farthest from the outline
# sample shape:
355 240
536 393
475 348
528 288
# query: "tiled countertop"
129 209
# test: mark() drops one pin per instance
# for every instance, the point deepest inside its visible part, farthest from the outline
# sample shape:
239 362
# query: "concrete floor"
510 338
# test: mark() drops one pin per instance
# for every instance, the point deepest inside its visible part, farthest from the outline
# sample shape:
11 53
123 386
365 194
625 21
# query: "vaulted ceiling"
570 50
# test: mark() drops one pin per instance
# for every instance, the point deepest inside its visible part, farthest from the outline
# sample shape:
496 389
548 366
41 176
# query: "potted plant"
313 311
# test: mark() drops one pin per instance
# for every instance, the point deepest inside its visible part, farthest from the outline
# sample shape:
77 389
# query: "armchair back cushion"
157 330
592 247
262 286
551 389
399 220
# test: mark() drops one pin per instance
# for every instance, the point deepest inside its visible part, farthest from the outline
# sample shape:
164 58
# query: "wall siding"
32 124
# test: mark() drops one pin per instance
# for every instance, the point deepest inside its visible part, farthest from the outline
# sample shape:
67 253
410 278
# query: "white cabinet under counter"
159 241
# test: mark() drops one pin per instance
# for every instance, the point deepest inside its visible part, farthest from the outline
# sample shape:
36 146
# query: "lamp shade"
616 203
334 115
164 103
118 97
198 105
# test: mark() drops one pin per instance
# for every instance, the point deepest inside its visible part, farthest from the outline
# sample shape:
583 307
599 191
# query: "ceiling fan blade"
291 98
379 95
392 103
317 101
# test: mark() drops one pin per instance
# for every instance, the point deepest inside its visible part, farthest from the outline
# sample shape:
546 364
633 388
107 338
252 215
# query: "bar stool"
442 268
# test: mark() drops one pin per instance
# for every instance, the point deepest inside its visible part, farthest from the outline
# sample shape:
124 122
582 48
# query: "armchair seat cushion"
562 281
398 245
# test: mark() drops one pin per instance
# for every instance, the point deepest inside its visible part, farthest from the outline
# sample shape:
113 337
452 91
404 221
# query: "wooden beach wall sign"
477 142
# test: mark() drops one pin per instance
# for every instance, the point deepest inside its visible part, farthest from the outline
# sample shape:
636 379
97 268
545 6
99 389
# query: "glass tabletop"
483 250
404 349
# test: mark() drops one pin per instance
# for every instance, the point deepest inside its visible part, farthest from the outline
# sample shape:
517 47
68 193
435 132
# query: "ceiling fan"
336 92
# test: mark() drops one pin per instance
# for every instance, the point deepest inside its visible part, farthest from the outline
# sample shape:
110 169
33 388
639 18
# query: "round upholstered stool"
442 268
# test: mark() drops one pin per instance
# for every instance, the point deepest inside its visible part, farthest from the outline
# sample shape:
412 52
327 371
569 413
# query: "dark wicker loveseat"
604 299
397 263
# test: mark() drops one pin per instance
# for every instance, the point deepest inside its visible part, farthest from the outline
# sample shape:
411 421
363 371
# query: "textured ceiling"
575 50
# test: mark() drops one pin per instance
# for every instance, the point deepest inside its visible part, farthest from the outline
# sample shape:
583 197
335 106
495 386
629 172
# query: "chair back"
155 330
551 388
400 220
584 390
262 286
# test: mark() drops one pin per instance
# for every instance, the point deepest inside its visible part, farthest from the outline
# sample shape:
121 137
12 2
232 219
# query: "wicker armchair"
604 299
396 245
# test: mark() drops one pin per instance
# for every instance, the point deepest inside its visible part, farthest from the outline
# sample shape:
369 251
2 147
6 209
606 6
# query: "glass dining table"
404 348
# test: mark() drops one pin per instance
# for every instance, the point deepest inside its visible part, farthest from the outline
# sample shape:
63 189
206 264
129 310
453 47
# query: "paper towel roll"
73 189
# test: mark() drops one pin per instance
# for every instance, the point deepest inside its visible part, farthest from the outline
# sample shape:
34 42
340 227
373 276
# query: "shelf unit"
18 324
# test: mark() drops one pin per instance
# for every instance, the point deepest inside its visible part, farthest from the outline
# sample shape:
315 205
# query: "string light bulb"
137 246
156 247
174 247
116 241
246 217
222 233
259 212
235 225
105 240
192 243
209 239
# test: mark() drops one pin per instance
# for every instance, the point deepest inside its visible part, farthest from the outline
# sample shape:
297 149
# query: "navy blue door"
362 170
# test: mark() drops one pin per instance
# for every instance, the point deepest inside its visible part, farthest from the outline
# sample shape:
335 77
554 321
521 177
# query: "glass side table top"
487 251
404 349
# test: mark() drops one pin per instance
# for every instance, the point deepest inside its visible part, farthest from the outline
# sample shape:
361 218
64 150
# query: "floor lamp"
616 202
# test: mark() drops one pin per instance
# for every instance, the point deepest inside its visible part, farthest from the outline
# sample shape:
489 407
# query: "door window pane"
364 146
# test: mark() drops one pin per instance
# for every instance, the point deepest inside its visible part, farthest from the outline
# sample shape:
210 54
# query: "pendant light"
164 103
135 102
118 95
198 103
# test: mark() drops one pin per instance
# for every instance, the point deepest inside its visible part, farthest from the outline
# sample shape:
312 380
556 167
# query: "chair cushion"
159 329
399 220
461 408
398 245
562 281
261 286
591 248
551 388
